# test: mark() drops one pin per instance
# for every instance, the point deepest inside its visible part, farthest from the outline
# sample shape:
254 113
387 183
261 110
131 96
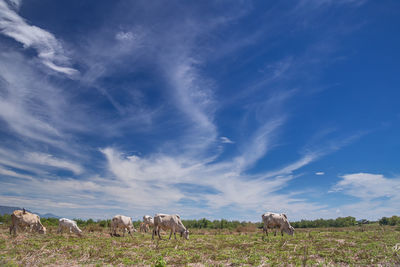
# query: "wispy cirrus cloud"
7 172
49 49
151 86
51 161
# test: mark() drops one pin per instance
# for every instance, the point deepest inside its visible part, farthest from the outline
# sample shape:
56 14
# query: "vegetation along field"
370 244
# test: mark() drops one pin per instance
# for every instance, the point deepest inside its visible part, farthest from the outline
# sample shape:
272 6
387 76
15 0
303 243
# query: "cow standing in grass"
70 225
169 222
22 219
276 220
122 222
148 220
144 227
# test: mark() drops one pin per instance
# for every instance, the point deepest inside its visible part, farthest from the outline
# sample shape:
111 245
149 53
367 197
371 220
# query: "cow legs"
12 227
130 233
158 232
275 232
265 230
59 230
171 234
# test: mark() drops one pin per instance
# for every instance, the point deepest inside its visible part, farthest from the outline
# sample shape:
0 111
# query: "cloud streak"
142 129
49 49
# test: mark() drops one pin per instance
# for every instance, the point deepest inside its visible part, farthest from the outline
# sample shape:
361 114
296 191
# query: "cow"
69 225
148 220
23 219
276 220
144 227
121 221
169 222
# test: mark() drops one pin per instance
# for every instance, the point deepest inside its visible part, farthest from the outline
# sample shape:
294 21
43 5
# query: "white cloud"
150 183
49 160
288 169
31 106
159 183
226 140
259 144
378 195
319 173
124 36
193 93
161 175
11 173
49 49
368 186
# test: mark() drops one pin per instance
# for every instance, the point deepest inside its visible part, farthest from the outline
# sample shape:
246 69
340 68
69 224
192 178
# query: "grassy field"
369 245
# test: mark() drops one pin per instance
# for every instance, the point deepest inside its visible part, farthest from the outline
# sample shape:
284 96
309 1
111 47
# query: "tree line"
394 220
226 224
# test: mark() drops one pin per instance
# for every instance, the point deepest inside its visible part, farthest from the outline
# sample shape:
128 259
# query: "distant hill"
49 215
9 210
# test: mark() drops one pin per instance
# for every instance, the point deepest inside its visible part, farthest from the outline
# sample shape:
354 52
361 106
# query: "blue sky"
214 109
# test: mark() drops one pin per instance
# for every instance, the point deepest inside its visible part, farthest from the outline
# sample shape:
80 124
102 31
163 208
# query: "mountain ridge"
9 210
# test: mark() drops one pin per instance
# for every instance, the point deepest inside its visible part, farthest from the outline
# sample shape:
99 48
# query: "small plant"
160 262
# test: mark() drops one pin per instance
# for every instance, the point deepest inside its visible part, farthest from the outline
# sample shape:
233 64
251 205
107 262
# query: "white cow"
276 220
123 222
148 220
144 227
23 219
169 222
70 225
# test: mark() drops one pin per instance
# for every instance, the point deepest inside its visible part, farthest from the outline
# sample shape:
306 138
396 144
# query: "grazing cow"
121 221
70 225
144 227
148 220
23 219
276 220
166 222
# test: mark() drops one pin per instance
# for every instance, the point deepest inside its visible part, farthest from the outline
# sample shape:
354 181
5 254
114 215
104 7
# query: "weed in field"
160 262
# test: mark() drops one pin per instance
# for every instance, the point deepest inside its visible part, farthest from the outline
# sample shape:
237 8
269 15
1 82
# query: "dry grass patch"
326 246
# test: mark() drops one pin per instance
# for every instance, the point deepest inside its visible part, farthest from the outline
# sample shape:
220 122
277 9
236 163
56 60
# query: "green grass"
325 246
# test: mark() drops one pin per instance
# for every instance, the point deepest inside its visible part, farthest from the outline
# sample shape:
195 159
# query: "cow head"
185 234
41 229
78 232
289 230
132 229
